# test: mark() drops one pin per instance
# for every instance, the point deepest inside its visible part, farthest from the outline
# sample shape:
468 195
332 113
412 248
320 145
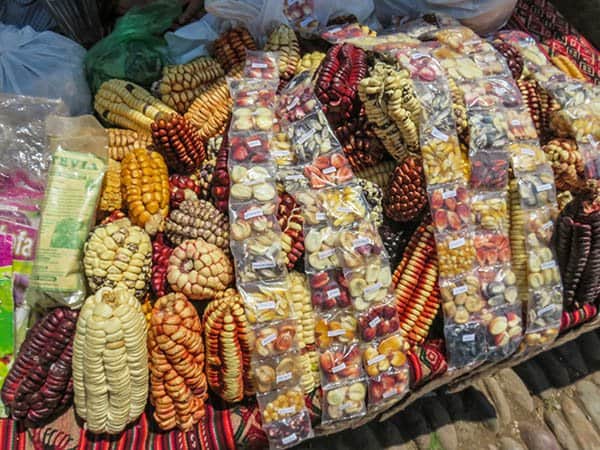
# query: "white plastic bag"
43 65
484 16
328 9
193 40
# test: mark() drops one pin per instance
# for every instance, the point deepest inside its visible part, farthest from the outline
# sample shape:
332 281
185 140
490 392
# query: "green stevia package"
7 333
79 159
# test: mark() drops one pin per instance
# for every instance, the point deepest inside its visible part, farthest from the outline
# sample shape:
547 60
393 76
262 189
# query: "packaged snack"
271 374
489 131
370 284
388 386
450 207
344 402
335 328
297 100
332 169
261 65
492 93
252 93
456 253
504 330
277 405
492 247
253 120
7 333
537 189
461 298
490 210
274 338
250 148
74 183
252 183
379 321
442 159
266 301
498 286
340 363
359 246
489 169
465 344
329 290
320 244
312 137
385 354
544 308
344 206
289 431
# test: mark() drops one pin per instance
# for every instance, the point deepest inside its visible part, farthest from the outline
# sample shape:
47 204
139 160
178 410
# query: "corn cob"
284 40
379 174
565 64
230 48
179 143
181 84
310 61
111 199
211 110
121 142
128 105
517 238
145 189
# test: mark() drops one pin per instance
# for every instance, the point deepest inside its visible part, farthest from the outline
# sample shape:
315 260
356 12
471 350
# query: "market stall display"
293 222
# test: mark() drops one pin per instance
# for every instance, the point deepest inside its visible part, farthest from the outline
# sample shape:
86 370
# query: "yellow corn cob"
121 142
517 238
310 62
181 84
567 66
284 41
128 105
111 193
379 174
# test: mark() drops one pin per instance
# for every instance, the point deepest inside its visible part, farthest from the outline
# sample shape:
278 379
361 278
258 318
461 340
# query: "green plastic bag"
136 49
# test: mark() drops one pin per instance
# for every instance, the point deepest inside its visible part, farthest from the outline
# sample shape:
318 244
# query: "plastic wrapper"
389 386
377 322
520 125
456 253
329 290
79 148
253 220
536 189
43 65
281 404
313 209
253 120
386 354
7 309
340 33
344 205
492 93
289 431
266 301
491 247
490 210
436 104
312 137
504 330
262 65
526 156
370 284
274 338
340 363
281 150
489 131
337 327
250 149
331 169
252 93
450 207
266 263
252 183
135 50
359 246
489 170
442 159
320 244
275 373
461 298
466 344
345 402
298 99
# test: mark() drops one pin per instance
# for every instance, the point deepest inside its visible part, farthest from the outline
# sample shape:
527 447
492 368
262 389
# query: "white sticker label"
545 309
515 122
548 225
528 152
347 405
294 177
257 65
373 323
344 209
335 30
468 338
306 21
335 333
253 213
375 360
333 293
456 243
251 93
460 290
543 187
270 338
373 288
263 306
389 393
289 439
548 265
283 377
338 368
439 135
293 103
449 194
263 265
360 241
326 253
306 136
254 143
286 411
328 170
320 216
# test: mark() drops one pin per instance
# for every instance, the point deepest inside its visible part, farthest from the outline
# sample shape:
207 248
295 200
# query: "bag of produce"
79 161
135 50
6 311
44 65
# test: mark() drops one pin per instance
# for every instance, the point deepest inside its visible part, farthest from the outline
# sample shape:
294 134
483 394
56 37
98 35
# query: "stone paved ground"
548 403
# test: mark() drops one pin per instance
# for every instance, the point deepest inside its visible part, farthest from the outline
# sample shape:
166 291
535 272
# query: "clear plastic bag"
43 65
